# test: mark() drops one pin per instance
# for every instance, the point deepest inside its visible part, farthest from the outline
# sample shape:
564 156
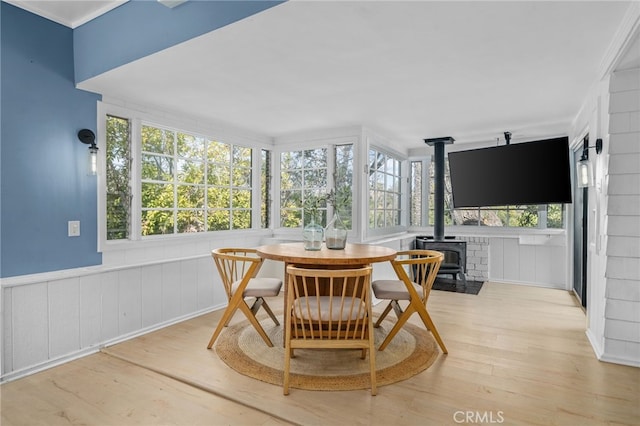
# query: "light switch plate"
74 228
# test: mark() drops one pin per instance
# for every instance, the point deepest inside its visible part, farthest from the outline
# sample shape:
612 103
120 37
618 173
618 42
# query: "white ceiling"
409 70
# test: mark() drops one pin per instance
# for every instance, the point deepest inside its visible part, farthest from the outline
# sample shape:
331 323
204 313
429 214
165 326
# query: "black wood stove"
455 251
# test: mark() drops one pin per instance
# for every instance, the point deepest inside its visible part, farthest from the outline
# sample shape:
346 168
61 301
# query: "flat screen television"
522 173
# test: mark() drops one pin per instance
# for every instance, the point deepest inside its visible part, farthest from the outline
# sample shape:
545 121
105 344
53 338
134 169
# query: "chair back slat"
420 267
329 304
235 264
329 309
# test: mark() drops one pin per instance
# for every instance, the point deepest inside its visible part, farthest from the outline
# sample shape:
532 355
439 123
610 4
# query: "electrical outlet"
74 228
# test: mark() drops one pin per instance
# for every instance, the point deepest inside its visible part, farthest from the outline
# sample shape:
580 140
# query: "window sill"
489 231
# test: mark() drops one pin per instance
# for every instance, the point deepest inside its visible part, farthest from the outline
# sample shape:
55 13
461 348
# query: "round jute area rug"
410 352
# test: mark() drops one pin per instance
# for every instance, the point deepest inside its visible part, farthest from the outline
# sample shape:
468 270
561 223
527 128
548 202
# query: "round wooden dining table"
353 255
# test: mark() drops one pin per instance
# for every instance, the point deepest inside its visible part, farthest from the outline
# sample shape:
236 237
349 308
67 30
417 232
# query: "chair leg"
287 365
226 317
260 302
396 327
397 308
234 304
256 305
288 351
464 279
254 321
372 361
428 322
269 311
372 367
383 315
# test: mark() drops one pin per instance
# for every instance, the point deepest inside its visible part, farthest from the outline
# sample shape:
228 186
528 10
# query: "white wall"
622 277
611 111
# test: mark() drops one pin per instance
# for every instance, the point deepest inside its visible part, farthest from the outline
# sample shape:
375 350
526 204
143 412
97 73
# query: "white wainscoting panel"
7 330
90 290
538 261
151 295
188 286
526 262
209 288
50 319
109 286
129 301
30 324
171 292
510 261
64 317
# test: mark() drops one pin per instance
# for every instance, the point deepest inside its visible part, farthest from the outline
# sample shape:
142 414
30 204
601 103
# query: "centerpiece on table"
336 232
313 232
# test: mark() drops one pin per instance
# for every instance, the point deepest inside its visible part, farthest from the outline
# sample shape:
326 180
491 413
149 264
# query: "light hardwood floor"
517 355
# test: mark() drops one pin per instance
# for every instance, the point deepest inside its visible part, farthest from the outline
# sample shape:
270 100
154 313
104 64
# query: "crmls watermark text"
478 417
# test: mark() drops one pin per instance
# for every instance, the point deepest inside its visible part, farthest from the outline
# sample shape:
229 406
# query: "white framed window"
118 178
168 180
190 183
385 190
417 209
303 178
310 174
343 178
265 188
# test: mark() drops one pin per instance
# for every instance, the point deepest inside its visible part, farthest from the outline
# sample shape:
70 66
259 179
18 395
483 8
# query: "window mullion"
205 184
136 179
424 219
175 181
331 176
256 193
230 187
542 216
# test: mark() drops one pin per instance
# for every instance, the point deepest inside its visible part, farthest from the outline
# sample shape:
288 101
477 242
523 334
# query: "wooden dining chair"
238 268
416 270
329 309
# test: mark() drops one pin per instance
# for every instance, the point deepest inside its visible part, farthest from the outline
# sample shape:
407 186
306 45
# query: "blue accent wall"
44 181
141 27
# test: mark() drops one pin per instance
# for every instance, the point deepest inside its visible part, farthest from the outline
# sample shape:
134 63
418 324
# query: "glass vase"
312 236
335 233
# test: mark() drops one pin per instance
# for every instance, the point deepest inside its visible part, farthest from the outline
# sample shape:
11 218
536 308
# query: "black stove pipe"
438 196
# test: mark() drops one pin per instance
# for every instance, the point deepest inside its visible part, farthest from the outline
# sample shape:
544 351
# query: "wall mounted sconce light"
88 137
584 169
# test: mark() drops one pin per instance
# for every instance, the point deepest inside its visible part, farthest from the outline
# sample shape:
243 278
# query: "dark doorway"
580 235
